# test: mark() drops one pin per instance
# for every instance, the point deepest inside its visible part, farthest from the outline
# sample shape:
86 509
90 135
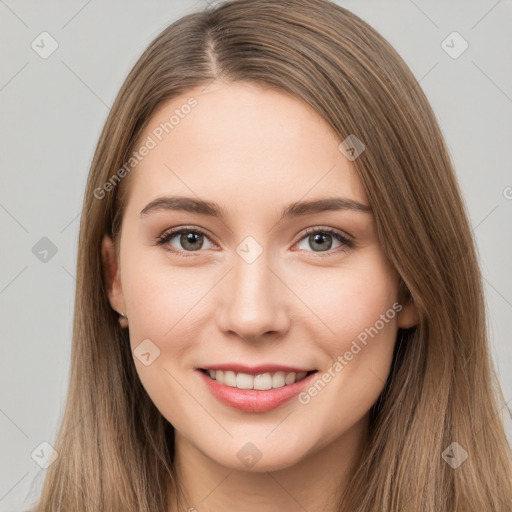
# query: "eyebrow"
297 209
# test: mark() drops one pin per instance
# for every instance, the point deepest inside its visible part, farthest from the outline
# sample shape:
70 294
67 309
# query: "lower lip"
254 400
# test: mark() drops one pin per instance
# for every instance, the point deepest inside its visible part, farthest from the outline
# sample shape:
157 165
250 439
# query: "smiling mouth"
263 381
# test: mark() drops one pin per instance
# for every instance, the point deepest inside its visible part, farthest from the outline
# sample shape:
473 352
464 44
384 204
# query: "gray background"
53 109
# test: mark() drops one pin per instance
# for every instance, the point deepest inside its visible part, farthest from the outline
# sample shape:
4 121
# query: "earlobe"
111 274
408 316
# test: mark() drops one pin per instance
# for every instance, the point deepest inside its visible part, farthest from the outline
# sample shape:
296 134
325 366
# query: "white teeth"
229 378
290 378
243 381
262 381
278 380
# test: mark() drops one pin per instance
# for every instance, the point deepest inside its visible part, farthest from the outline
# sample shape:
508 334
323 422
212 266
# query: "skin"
254 151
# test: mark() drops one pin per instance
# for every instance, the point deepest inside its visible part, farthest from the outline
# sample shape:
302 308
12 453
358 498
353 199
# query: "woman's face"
267 285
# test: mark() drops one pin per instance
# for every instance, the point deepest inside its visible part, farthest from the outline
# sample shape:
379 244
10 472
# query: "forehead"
241 143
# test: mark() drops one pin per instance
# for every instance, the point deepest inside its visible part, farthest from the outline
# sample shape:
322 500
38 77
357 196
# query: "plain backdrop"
52 110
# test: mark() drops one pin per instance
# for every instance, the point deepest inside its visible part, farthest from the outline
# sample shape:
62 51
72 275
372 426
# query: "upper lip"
257 370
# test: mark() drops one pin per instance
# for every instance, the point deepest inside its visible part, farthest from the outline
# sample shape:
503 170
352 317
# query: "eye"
190 239
323 238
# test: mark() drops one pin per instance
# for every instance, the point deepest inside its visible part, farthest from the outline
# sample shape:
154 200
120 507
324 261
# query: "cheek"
360 308
351 383
161 301
353 302
162 298
358 305
367 313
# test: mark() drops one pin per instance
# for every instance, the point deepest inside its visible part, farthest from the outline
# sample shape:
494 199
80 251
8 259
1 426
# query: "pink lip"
254 400
257 370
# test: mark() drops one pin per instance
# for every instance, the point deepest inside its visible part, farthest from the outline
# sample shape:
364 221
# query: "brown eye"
184 240
191 241
322 240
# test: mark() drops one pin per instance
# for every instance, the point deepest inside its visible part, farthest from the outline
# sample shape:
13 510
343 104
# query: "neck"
314 484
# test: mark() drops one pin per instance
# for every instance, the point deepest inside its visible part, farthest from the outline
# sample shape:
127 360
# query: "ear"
112 275
408 316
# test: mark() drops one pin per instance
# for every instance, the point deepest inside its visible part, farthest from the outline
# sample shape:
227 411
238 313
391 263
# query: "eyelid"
348 238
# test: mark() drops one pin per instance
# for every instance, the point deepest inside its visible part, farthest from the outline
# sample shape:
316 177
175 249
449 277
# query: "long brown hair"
116 449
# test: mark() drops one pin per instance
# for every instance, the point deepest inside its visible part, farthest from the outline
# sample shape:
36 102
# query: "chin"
257 457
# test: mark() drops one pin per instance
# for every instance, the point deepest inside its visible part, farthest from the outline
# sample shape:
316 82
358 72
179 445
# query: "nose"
254 301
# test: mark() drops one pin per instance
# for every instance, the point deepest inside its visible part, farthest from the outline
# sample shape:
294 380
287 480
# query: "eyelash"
166 237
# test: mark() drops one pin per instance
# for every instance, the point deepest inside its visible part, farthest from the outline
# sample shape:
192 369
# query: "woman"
273 217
